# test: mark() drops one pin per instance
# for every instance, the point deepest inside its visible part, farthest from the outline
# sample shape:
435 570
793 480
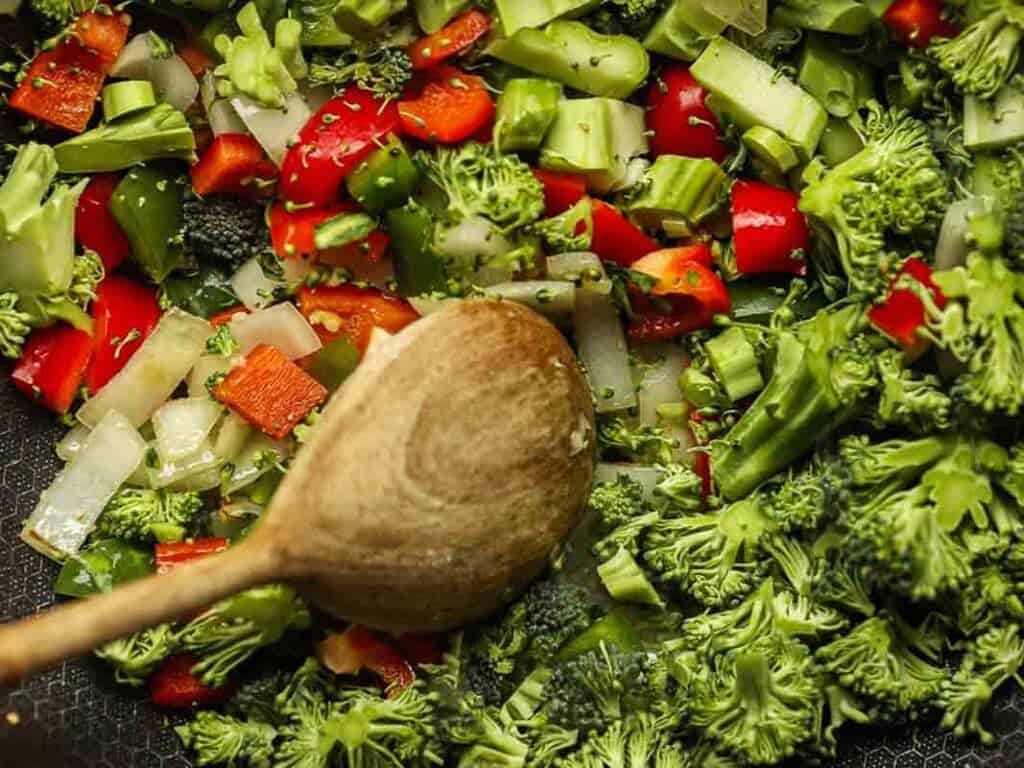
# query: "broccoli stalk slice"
626 581
981 59
735 363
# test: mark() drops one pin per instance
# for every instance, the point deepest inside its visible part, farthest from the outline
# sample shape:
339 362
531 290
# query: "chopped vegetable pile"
786 240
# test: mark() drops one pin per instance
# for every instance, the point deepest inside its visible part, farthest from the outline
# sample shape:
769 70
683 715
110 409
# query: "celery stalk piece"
69 508
548 297
580 139
994 124
517 14
434 14
154 371
361 18
603 350
751 92
683 31
840 17
628 130
734 361
839 82
626 581
750 16
526 109
678 187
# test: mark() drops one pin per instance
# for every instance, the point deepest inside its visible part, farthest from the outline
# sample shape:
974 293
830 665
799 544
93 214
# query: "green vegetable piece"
839 82
526 109
158 133
148 206
994 124
218 739
840 17
683 31
754 301
126 97
751 92
580 139
574 54
386 179
288 42
613 629
319 28
982 58
678 187
518 14
343 229
361 18
626 582
221 24
106 564
434 14
700 390
418 269
253 67
335 362
734 361
204 292
770 148
750 16
839 142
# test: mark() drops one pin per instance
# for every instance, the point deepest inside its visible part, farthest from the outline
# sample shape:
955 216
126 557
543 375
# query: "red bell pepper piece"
353 312
451 107
454 38
902 313
123 314
916 22
770 234
173 555
561 190
679 119
95 227
227 315
270 391
702 462
357 648
421 649
341 134
234 163
616 239
52 364
292 234
195 59
63 83
173 686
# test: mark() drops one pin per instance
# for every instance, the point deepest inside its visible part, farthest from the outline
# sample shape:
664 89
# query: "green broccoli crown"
480 181
625 438
570 231
221 740
628 17
981 59
796 502
895 186
227 229
635 740
910 400
55 15
734 628
989 599
222 342
617 502
553 614
680 489
14 326
136 656
366 726
836 582
133 512
382 70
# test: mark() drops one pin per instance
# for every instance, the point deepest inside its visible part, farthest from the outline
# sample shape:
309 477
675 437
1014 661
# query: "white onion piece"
951 248
134 60
549 297
296 270
252 286
171 474
153 372
472 241
659 379
580 266
174 82
224 119
648 477
69 508
205 367
71 444
281 326
249 466
273 128
602 348
182 425
232 435
208 91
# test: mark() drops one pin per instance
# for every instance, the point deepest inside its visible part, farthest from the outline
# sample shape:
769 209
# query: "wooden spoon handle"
43 641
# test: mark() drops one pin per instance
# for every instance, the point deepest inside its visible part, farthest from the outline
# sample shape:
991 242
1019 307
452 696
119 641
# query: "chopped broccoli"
135 657
14 325
371 730
911 400
679 489
137 514
382 70
222 342
636 740
895 186
618 501
227 229
627 17
570 231
981 59
734 628
625 438
796 501
222 740
989 599
55 15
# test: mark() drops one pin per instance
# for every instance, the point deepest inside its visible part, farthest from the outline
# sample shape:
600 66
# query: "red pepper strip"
669 264
770 233
421 649
353 312
357 648
561 190
702 462
341 134
454 38
616 239
292 234
916 22
62 84
234 163
679 119
176 554
173 686
196 60
123 314
227 315
52 364
270 392
95 228
902 313
451 107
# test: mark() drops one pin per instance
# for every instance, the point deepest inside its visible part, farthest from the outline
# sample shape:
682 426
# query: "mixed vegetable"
786 240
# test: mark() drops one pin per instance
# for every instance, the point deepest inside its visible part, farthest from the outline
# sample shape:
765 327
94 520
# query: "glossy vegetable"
457 36
451 107
353 312
916 22
562 190
616 239
770 234
106 564
123 314
679 118
52 365
281 326
901 314
234 163
95 227
526 109
147 206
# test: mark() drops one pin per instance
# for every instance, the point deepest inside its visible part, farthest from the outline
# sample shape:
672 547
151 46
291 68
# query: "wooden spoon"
443 477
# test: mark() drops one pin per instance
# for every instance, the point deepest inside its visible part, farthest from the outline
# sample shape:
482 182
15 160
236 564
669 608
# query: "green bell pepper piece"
754 300
319 28
418 269
526 109
386 179
106 564
839 82
204 292
614 629
148 206
580 139
334 363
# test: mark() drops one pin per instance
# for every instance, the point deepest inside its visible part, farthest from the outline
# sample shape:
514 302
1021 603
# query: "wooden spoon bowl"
440 481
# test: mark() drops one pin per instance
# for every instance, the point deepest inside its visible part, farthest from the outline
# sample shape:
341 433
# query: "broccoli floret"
642 443
837 583
382 70
626 581
680 490
989 598
895 186
135 657
876 464
735 628
483 736
911 400
233 629
138 514
570 231
795 502
636 740
226 229
990 661
398 730
55 15
800 616
618 501
842 707
14 326
626 17
981 59
221 740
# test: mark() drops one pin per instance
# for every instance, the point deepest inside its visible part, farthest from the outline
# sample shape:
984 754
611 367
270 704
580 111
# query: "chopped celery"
580 138
434 14
750 16
526 109
770 148
628 132
678 187
126 97
626 582
840 83
734 361
994 124
841 17
683 31
839 142
361 18
517 14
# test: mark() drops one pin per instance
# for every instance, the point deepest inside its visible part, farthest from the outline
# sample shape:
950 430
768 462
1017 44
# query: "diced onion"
252 286
133 61
208 91
232 435
472 241
580 267
659 380
224 119
951 248
69 508
153 372
173 81
71 444
281 326
205 367
549 297
602 348
648 477
250 465
273 128
174 474
181 426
